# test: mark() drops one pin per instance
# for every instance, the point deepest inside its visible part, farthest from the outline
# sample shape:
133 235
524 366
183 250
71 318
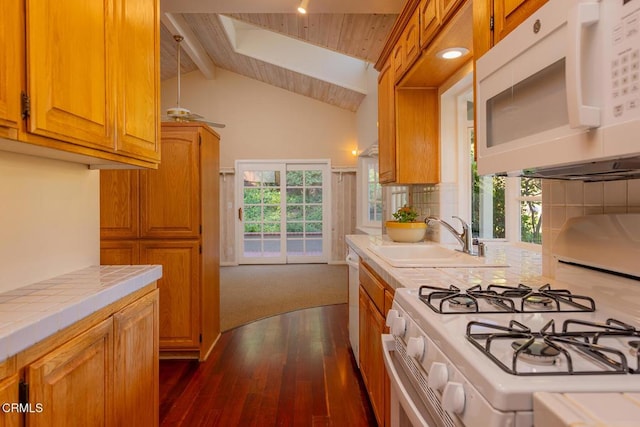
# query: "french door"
283 211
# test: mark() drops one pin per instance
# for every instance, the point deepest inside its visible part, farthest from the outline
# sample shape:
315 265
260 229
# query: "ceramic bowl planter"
406 232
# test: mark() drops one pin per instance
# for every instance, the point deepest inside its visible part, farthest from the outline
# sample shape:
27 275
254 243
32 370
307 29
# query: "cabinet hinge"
23 392
25 106
491 23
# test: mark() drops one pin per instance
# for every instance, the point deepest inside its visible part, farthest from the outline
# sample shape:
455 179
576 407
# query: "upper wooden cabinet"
410 75
85 79
506 14
11 43
386 125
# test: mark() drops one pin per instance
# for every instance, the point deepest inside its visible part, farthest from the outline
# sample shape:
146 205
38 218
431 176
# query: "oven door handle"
403 395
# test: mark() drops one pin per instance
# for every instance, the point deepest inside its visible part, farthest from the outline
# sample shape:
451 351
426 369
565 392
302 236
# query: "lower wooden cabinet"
102 371
374 298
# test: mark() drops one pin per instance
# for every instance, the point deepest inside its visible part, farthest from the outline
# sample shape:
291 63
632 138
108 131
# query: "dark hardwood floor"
295 369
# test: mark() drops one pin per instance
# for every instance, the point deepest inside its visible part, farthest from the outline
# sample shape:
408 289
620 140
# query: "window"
372 212
501 207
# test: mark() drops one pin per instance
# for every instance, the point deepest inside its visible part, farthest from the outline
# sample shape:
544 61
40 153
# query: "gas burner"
462 303
503 299
579 348
535 351
538 302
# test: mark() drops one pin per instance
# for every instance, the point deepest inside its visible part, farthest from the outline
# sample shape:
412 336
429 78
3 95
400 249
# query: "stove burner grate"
549 346
503 299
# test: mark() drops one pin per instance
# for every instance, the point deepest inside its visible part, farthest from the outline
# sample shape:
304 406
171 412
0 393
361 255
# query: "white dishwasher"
354 317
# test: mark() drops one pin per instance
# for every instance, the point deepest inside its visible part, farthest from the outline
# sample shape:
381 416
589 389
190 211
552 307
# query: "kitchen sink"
427 255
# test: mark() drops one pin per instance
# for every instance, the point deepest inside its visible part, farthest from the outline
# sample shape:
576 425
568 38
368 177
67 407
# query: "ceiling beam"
191 46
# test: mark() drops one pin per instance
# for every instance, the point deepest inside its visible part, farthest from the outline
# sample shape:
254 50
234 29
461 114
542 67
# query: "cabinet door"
417 133
119 252
170 195
70 75
119 204
411 40
179 291
11 44
138 78
363 313
377 371
397 59
429 20
508 14
9 393
136 363
75 381
448 7
386 125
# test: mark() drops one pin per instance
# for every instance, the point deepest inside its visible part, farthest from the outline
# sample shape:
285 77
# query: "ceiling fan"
178 113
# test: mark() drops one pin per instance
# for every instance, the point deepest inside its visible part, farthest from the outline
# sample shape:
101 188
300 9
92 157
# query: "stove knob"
398 327
438 375
453 397
391 316
415 347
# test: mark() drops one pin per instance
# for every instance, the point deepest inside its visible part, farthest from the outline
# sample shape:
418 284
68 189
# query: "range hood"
601 170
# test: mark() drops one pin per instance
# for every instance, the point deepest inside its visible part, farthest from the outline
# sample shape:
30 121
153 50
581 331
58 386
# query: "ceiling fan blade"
214 124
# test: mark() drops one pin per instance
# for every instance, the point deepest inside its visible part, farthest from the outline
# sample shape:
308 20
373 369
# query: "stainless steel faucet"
464 238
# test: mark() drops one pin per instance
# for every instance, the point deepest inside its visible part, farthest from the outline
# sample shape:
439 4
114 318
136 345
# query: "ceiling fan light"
303 6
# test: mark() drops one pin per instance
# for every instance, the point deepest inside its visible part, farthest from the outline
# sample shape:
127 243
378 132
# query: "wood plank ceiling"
358 35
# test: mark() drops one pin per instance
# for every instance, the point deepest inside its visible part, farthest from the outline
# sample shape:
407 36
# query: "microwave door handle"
581 16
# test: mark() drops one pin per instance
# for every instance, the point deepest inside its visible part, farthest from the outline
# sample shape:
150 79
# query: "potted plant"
405 228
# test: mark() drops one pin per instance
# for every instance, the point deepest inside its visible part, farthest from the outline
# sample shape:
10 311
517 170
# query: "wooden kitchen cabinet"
136 365
386 125
408 108
373 297
100 371
74 382
9 393
85 80
11 44
506 14
170 216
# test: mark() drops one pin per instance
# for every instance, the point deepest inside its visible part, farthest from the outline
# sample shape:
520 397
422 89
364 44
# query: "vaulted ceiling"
356 30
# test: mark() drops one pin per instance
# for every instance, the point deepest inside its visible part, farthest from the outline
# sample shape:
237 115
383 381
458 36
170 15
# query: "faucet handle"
462 221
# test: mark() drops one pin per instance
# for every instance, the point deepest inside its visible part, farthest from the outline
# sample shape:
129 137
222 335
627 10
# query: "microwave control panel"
624 61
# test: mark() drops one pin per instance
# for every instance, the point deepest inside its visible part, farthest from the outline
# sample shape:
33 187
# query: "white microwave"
559 97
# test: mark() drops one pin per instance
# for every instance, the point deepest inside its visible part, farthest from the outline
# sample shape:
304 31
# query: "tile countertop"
523 266
34 312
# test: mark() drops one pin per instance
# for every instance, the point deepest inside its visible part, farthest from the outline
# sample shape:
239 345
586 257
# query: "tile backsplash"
562 200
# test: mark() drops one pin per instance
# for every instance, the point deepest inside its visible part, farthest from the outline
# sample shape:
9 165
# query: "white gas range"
522 354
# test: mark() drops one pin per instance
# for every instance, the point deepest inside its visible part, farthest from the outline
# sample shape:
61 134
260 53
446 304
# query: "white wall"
367 114
266 122
49 219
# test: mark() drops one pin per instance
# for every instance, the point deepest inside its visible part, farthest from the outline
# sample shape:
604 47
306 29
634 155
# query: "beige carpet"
252 292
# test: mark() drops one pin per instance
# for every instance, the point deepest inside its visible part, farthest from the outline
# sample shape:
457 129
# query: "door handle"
240 214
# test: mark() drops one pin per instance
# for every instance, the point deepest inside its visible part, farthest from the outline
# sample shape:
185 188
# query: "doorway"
283 211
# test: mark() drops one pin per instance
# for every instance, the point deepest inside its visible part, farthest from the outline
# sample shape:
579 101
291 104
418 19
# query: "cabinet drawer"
373 286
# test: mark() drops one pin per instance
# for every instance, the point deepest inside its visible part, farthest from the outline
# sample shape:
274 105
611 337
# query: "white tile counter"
523 265
34 312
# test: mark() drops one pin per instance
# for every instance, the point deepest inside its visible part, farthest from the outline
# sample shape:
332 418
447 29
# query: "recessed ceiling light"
303 6
452 53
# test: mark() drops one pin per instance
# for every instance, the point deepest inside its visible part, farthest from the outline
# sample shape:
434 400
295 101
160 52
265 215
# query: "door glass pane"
262 213
304 212
534 105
